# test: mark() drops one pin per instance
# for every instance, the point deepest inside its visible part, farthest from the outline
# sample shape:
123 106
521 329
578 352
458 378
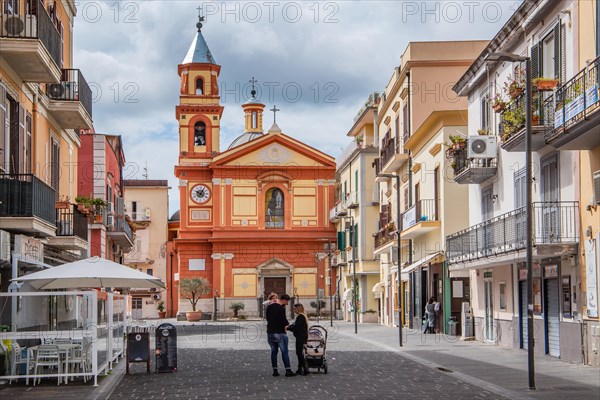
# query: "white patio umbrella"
94 272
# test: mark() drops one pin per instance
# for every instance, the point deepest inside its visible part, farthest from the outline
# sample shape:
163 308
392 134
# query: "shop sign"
523 274
29 249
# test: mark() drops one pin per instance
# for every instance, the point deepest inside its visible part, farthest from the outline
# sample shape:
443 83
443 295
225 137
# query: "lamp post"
399 256
498 57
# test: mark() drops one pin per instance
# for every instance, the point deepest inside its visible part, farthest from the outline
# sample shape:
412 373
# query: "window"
199 86
356 181
28 143
406 199
566 293
254 120
485 111
200 134
149 271
55 166
397 134
274 208
405 132
503 296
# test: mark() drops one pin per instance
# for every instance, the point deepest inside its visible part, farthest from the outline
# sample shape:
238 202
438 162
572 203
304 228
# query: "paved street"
231 361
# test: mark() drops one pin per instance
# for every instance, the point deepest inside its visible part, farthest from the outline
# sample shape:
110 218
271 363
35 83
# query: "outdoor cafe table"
63 349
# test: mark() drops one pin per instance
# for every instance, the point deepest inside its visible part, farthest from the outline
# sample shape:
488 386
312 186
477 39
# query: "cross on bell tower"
274 109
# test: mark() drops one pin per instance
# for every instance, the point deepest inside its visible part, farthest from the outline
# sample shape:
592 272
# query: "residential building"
147 206
356 207
492 248
101 161
253 218
44 103
415 117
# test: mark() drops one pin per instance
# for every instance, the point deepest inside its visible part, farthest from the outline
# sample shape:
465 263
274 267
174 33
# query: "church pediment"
274 150
275 266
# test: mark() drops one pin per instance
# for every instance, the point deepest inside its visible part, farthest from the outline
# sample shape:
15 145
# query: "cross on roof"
200 18
274 109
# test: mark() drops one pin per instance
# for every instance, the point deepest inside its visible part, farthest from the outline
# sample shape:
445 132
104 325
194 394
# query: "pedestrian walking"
277 335
430 316
300 330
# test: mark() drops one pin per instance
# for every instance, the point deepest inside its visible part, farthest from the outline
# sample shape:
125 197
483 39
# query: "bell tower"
199 111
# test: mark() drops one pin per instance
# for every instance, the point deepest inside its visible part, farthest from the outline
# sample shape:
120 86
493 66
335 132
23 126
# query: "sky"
317 61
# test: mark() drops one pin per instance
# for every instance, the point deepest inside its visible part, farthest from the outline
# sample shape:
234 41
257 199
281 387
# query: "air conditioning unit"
57 90
153 290
19 26
147 212
482 146
110 221
156 296
597 187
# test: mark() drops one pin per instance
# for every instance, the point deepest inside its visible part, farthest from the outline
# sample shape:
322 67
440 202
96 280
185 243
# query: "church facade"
253 218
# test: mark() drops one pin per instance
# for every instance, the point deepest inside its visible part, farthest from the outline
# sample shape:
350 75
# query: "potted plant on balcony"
512 121
84 204
160 307
484 132
545 84
63 203
457 143
514 86
498 104
193 289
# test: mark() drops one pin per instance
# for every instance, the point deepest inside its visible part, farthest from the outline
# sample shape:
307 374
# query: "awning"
424 261
347 293
378 287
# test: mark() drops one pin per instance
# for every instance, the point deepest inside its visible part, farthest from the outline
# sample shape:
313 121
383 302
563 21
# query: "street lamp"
498 57
397 178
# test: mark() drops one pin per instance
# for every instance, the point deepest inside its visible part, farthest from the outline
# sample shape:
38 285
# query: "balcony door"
520 202
487 212
550 218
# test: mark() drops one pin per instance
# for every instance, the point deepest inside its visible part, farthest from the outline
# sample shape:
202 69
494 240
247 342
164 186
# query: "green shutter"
536 56
341 240
557 52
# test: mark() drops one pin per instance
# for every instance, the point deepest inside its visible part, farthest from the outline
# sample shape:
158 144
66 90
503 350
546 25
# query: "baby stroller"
314 350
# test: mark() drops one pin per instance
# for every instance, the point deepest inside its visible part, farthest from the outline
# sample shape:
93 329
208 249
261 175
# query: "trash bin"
452 324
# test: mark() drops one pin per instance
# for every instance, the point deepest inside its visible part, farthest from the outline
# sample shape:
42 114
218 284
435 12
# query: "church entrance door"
274 285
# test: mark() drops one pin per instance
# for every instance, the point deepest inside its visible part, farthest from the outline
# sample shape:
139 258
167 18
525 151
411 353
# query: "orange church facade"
254 217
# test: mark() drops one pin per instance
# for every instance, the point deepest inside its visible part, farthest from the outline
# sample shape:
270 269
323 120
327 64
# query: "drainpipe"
34 111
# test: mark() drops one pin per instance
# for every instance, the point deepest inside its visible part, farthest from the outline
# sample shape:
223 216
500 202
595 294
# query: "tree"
236 307
194 288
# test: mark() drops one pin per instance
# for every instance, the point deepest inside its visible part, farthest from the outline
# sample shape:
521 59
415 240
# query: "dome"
175 216
244 138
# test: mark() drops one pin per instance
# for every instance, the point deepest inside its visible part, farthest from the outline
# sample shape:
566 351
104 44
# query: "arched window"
274 208
200 134
199 85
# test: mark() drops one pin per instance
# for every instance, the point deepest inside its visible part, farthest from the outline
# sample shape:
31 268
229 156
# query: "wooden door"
274 285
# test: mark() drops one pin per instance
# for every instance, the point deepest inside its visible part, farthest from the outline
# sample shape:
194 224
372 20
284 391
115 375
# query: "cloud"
321 64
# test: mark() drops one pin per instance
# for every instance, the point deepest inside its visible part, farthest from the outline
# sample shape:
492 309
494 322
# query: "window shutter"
28 122
563 54
535 61
355 238
557 52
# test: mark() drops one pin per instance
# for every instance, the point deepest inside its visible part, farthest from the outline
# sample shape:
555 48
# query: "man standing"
276 334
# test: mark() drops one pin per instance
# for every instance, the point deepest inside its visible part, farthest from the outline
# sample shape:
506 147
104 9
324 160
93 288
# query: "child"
300 330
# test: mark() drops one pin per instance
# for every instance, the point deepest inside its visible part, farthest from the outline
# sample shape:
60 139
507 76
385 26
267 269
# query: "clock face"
200 193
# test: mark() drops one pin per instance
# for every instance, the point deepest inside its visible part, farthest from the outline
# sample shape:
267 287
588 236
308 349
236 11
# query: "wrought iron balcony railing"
25 195
71 222
72 87
35 23
422 210
385 235
573 102
553 223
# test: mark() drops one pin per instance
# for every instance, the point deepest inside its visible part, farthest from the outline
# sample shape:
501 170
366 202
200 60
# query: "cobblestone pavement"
231 361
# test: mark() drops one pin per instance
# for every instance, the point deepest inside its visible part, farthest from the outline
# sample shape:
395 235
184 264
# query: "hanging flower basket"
515 92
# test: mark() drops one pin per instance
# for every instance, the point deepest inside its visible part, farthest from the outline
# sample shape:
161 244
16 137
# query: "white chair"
47 356
16 360
79 359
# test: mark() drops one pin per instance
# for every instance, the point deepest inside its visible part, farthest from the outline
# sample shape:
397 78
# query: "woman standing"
300 330
430 316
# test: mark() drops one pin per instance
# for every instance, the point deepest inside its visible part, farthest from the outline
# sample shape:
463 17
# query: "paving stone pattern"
232 362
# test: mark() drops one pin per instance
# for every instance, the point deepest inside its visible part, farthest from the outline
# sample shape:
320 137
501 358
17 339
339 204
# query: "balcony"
352 201
421 218
338 211
573 121
31 45
512 126
391 155
385 235
339 260
472 170
71 229
27 205
555 233
71 100
119 231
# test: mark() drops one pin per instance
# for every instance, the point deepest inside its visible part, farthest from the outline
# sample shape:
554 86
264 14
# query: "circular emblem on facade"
244 285
304 284
274 153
